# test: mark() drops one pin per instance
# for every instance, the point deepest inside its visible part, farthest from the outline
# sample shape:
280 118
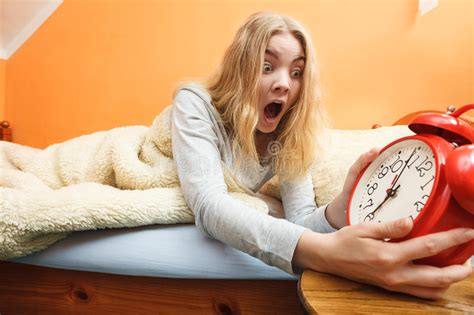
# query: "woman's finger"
357 167
386 230
432 244
430 276
468 262
422 292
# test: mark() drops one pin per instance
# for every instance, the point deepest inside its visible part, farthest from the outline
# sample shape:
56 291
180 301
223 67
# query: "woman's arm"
360 253
300 208
195 142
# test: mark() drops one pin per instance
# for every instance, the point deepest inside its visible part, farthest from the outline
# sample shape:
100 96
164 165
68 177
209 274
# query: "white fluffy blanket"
123 177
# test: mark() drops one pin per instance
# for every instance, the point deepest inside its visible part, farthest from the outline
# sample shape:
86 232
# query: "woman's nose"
282 82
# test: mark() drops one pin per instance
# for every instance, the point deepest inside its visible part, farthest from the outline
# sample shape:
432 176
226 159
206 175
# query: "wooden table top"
328 294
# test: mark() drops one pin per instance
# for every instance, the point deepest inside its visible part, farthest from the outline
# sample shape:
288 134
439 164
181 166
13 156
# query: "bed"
152 269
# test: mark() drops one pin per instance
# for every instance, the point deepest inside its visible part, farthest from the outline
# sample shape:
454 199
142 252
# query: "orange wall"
3 69
96 65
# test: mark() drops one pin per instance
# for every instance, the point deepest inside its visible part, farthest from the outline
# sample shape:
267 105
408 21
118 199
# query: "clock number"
423 169
419 167
420 204
397 165
370 203
409 165
383 172
369 217
423 187
372 188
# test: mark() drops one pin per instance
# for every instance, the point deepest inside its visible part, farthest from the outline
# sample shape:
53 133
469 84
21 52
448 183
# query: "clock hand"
392 184
390 193
404 166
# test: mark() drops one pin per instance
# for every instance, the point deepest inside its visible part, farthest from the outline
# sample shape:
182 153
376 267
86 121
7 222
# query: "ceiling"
19 19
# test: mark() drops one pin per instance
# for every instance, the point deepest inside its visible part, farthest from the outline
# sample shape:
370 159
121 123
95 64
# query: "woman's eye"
296 73
267 68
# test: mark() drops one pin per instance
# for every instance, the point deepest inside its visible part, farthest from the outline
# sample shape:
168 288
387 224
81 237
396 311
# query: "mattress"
172 251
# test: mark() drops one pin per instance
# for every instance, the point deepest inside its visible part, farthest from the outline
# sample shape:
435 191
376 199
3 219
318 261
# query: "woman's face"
281 80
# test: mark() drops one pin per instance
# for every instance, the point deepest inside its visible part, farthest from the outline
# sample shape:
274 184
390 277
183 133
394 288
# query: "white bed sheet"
173 251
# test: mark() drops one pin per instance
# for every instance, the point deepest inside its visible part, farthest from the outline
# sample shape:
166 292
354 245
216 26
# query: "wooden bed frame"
28 289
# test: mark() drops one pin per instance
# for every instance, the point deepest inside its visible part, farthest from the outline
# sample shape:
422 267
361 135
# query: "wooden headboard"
5 131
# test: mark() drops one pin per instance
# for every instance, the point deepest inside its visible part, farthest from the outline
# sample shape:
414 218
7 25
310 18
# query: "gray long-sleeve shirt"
200 143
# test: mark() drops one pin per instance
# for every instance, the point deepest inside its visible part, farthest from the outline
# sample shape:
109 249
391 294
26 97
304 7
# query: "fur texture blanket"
122 177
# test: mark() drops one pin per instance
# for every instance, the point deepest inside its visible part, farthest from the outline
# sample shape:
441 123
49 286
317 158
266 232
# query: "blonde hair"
234 92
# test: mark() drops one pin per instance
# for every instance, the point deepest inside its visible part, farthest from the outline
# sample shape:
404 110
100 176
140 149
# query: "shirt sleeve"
220 216
299 205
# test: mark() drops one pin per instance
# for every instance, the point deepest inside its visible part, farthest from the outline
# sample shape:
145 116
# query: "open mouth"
272 110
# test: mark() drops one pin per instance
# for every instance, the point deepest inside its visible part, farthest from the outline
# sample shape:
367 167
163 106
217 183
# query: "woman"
259 115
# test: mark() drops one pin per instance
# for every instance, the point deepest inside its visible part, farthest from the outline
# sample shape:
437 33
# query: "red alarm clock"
428 177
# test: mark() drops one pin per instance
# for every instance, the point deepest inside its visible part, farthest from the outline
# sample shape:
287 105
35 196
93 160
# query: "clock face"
397 184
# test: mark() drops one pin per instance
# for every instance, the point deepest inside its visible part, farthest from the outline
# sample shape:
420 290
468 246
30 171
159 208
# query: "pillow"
341 148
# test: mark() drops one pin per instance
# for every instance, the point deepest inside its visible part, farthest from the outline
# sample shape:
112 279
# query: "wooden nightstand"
327 294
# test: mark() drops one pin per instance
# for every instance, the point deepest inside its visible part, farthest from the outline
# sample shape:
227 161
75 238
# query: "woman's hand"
360 253
336 210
